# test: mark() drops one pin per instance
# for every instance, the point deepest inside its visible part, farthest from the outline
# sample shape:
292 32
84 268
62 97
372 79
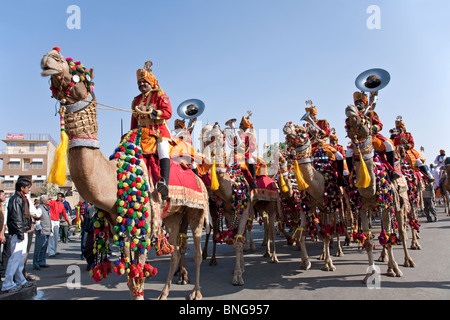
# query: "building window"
39 183
36 165
13 144
8 185
14 164
32 145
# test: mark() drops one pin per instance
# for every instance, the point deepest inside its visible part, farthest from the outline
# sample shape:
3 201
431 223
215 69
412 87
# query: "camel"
96 178
229 185
359 132
415 187
297 138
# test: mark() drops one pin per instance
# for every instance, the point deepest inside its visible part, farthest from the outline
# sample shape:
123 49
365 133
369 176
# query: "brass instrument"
372 80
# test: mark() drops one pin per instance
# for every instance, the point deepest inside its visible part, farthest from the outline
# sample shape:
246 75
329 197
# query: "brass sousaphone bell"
191 108
372 80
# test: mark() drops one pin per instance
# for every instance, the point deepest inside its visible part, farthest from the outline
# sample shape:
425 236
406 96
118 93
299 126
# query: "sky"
265 56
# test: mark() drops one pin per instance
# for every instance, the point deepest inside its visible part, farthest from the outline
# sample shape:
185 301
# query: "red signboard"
15 136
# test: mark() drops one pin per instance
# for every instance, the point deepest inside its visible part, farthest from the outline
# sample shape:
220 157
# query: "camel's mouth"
49 72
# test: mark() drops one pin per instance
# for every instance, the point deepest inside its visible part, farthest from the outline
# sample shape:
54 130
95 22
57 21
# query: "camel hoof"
213 262
409 263
274 260
383 259
339 254
306 265
195 295
238 282
329 268
266 254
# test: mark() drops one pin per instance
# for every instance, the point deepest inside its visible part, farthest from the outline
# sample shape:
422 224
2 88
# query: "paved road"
429 280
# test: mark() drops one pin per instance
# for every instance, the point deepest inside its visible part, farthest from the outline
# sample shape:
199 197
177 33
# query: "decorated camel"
322 189
121 188
447 187
230 193
376 192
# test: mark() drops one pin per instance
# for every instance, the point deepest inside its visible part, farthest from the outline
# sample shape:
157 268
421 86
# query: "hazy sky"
265 56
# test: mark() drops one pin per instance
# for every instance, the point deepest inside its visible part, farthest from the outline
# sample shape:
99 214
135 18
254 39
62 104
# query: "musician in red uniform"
404 142
380 143
319 136
151 112
247 134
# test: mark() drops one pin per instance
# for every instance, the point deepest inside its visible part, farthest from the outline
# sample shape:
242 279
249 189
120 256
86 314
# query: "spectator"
2 221
429 201
89 228
56 209
64 220
84 213
43 231
19 223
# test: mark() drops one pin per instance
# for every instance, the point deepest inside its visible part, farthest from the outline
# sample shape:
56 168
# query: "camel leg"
408 262
267 234
239 268
196 225
249 244
414 241
136 290
328 262
182 271
393 269
172 224
272 215
367 243
205 247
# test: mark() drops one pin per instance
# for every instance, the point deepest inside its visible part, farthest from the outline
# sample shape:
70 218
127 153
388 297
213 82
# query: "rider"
319 135
405 141
247 135
154 111
334 143
380 143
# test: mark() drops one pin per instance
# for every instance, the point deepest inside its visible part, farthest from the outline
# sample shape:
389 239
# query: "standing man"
43 231
151 112
56 209
19 223
64 220
440 159
2 225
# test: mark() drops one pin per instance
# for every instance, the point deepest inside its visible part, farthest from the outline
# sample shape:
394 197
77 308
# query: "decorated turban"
333 137
400 123
442 151
360 96
245 123
180 123
147 75
311 110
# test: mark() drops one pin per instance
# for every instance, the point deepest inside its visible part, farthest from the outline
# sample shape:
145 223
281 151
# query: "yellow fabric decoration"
302 185
363 174
59 166
214 181
284 187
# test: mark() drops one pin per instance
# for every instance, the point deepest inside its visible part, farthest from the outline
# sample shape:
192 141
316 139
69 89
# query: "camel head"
296 136
70 80
356 124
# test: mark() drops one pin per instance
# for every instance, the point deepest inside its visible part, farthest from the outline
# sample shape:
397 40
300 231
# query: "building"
31 155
